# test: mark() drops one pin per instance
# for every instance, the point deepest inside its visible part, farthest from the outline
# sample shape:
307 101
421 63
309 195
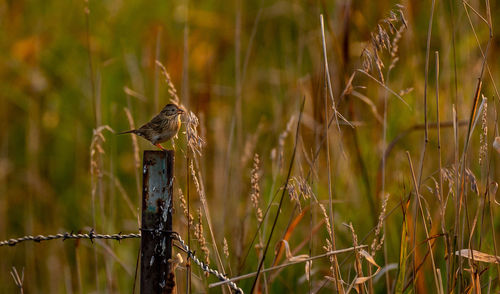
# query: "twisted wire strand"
92 235
222 277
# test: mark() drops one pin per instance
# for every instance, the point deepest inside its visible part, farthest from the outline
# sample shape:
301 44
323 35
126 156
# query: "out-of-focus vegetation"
70 68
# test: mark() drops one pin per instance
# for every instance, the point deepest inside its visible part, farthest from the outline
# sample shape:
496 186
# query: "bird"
161 128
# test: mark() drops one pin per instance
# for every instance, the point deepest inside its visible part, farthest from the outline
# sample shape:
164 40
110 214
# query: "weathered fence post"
156 241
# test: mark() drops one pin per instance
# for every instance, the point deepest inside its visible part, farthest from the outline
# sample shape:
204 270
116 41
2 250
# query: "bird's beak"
180 111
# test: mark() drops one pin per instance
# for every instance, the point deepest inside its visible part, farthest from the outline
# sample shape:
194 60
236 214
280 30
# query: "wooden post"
156 241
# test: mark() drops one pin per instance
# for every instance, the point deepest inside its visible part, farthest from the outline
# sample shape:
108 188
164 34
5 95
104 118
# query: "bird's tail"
128 132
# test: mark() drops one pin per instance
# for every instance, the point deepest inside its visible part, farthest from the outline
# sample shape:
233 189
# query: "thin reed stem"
442 200
427 55
188 262
424 222
328 86
156 93
185 57
249 275
284 189
97 123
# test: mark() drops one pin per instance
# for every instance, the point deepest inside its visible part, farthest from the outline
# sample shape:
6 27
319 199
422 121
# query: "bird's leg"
173 145
159 146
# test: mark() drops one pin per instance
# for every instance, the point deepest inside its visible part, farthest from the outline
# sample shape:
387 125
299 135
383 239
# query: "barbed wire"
92 235
65 236
222 277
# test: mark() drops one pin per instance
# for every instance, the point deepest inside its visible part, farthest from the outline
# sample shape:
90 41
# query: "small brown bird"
162 127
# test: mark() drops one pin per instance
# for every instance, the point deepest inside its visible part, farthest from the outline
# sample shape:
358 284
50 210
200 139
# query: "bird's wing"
156 122
155 125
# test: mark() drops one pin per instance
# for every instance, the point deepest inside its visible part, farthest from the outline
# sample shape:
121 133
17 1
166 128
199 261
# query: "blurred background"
71 70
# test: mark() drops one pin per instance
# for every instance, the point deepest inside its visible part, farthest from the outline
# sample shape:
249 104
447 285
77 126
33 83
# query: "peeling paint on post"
156 242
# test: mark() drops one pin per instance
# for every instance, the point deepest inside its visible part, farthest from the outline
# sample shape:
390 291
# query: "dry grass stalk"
370 104
96 149
483 138
225 248
418 201
201 193
96 172
198 233
194 141
357 264
298 188
328 247
294 196
133 93
18 280
184 207
198 181
255 189
305 190
134 138
176 261
381 41
395 46
478 256
281 266
470 179
135 145
328 85
302 257
327 220
379 241
171 88
277 154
